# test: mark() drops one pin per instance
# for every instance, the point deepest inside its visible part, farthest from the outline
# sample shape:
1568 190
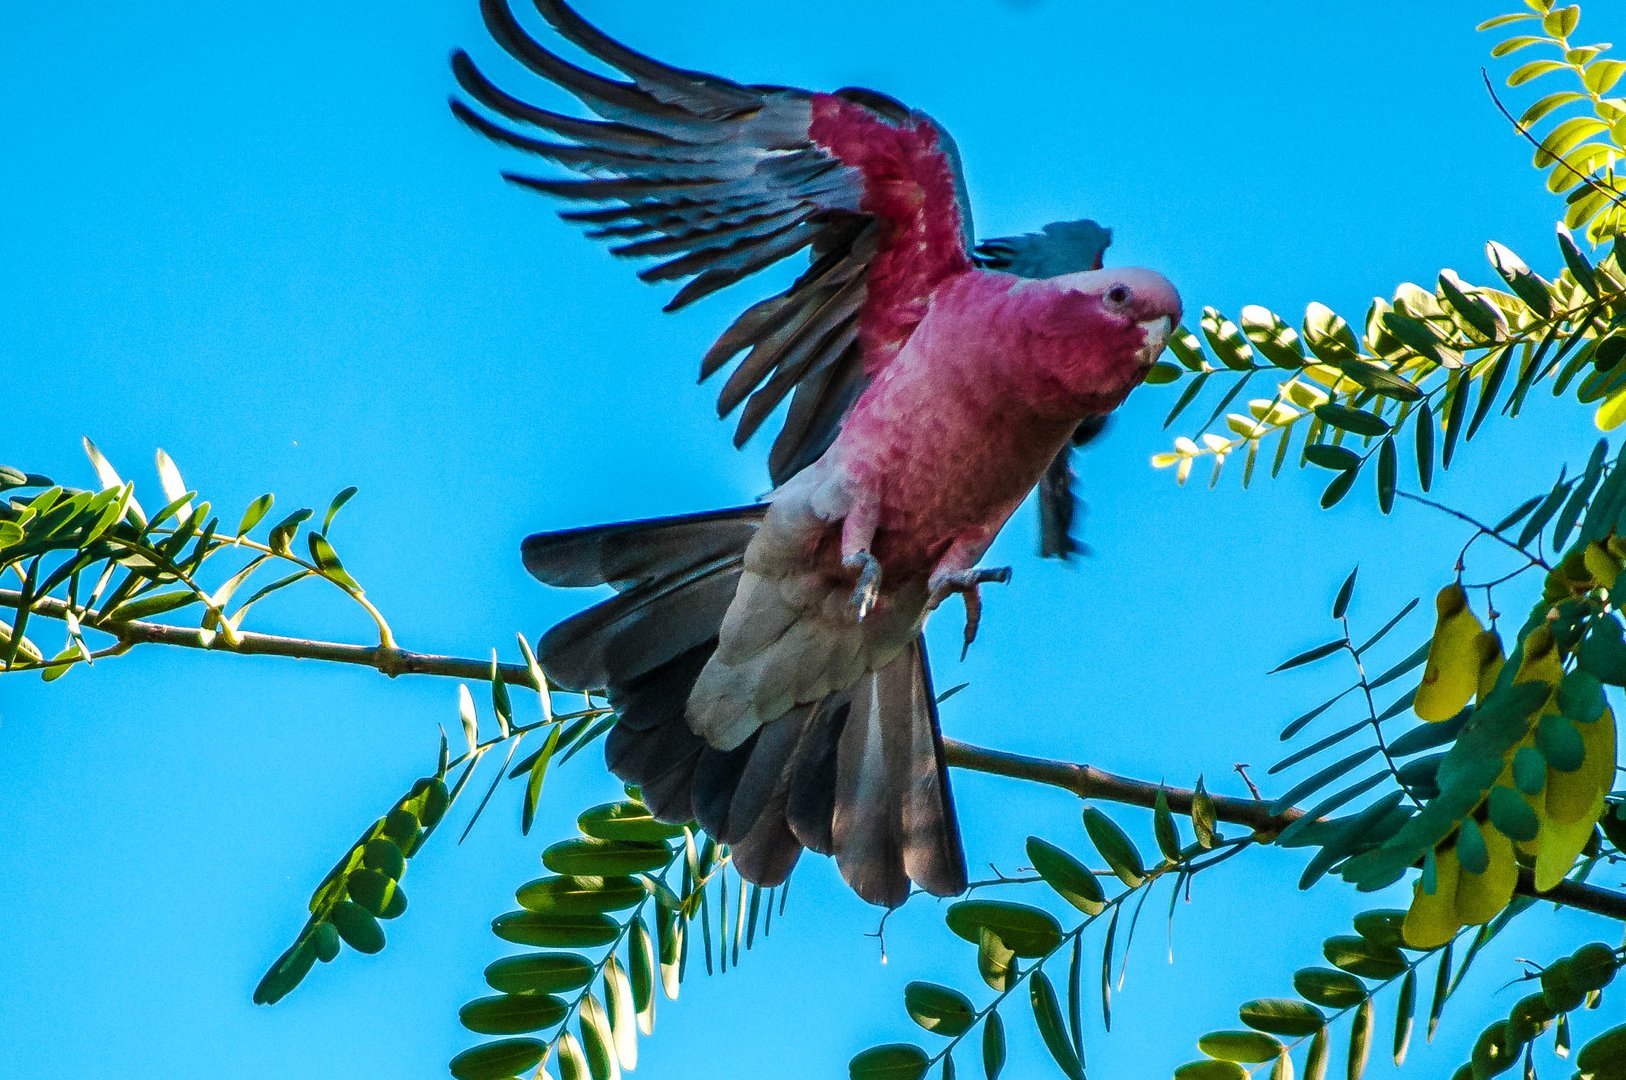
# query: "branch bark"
1084 781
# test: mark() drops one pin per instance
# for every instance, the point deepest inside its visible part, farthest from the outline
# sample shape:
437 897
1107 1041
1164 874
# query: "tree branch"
1088 782
1085 781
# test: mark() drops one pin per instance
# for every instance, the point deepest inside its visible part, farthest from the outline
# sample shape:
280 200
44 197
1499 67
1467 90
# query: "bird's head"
1099 331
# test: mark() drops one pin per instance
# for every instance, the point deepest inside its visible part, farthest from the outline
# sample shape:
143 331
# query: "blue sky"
257 239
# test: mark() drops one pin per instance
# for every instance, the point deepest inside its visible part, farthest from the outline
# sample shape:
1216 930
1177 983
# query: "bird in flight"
766 662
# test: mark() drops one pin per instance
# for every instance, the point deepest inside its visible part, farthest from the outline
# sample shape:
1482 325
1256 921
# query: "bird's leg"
857 534
868 589
956 572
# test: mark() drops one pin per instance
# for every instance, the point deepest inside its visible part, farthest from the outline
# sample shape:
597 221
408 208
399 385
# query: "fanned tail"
859 775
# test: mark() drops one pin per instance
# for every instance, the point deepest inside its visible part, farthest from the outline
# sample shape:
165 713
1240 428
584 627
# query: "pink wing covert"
718 180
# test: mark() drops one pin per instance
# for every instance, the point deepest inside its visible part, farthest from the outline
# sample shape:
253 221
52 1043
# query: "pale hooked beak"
1157 333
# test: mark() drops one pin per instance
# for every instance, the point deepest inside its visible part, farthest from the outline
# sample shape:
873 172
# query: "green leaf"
1226 340
1603 652
1388 469
572 1062
357 926
327 560
539 973
1321 779
555 929
1558 743
325 939
598 1040
1533 70
145 607
1340 486
1120 852
1328 335
1072 880
1360 956
1329 989
255 513
533 783
1047 1014
938 1009
1360 1040
1244 1046
996 963
1341 603
642 974
169 478
512 1014
1210 1070
385 857
1163 827
619 1007
1026 931
1405 1013
581 895
993 1046
605 858
1604 1055
894 1061
499 1060
1514 44
1355 421
288 972
1282 1016
378 893
334 507
1309 656
1379 380
1511 815
1328 456
1525 284
1579 268
626 821
1273 337
1204 816
1315 1062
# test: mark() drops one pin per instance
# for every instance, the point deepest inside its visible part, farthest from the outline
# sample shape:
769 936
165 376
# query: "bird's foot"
868 589
968 584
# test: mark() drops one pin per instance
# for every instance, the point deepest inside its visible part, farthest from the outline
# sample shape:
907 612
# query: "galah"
766 663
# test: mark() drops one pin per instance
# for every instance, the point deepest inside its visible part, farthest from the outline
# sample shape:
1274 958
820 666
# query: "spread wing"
714 180
1064 247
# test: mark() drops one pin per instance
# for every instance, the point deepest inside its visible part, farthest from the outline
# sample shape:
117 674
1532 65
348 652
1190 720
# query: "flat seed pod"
1570 795
1432 919
1561 843
1451 676
1482 895
1490 662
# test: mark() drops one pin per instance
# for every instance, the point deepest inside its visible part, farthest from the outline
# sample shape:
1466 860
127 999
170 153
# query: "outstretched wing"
1063 247
716 180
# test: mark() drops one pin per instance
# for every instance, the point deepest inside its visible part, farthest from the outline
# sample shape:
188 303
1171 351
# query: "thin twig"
1481 526
1607 192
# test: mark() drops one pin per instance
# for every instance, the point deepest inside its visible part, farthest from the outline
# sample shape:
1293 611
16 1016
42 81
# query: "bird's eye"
1119 296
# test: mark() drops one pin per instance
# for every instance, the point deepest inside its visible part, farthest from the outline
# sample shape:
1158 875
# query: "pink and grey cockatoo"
766 663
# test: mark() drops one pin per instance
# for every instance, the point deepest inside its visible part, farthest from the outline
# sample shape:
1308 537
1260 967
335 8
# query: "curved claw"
868 589
968 584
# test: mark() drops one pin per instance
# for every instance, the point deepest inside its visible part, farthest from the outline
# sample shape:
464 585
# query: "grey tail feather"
894 817
859 774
